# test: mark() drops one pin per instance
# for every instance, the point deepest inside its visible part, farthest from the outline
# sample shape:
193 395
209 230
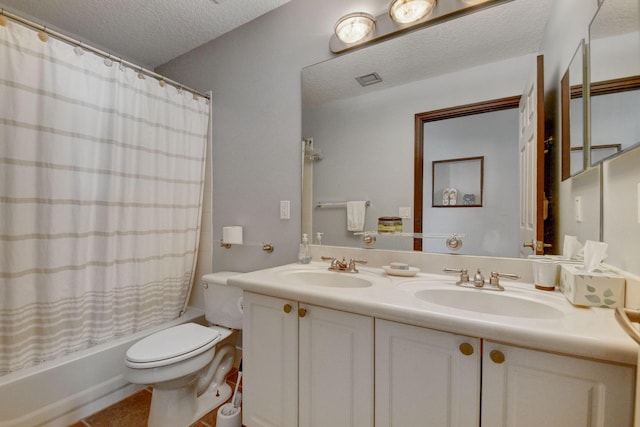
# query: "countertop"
583 332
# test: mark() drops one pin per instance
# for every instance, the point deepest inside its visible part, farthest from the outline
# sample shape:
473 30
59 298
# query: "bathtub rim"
71 407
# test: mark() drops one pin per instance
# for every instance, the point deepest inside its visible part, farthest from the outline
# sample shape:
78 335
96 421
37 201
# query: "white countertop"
584 332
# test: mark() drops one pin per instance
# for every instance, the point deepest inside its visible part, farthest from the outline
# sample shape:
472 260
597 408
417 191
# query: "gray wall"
254 73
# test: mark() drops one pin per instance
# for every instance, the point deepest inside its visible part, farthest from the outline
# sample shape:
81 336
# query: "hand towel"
355 215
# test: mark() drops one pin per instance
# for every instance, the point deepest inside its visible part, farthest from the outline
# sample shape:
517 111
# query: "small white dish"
412 271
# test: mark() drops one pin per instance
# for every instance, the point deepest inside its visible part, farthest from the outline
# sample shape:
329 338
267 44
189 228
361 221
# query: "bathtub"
62 391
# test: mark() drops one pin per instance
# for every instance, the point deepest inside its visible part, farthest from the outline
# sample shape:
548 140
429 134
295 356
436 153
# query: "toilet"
184 364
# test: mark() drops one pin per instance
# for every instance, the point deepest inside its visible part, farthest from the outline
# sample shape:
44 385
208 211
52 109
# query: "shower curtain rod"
72 41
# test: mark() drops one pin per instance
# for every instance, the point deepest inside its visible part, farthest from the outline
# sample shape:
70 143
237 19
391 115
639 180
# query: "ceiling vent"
369 79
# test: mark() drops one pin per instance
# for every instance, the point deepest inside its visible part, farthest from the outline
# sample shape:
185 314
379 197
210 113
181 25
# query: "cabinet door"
270 367
527 388
424 379
336 368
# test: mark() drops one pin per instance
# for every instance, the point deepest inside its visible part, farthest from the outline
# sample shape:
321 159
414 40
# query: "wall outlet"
285 209
404 212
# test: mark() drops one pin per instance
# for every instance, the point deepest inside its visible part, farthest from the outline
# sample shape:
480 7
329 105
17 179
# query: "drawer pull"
497 356
287 308
466 349
302 312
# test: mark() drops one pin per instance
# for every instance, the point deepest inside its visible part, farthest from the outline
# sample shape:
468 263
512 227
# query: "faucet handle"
494 279
464 273
352 264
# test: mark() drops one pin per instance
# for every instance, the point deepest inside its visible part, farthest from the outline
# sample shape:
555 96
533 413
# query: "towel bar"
338 204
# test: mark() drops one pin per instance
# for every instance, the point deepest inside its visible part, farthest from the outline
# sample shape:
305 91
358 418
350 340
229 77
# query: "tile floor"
134 411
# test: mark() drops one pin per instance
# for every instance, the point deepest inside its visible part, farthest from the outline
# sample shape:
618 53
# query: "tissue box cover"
599 288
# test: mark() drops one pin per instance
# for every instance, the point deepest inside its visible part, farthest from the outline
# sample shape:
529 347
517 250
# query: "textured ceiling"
616 17
505 31
147 32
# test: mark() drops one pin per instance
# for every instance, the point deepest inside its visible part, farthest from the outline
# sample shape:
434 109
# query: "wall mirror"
614 79
363 137
572 107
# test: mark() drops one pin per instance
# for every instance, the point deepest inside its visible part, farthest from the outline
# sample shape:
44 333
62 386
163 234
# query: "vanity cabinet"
425 377
305 365
311 366
531 388
432 378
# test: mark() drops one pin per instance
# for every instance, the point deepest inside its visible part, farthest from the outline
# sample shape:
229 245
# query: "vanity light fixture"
359 29
355 27
410 11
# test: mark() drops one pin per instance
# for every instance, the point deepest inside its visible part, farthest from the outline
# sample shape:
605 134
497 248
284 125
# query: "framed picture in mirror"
457 183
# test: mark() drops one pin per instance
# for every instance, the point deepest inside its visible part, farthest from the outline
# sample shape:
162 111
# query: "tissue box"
599 288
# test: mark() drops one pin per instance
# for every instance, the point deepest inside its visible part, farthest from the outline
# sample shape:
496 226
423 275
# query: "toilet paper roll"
232 234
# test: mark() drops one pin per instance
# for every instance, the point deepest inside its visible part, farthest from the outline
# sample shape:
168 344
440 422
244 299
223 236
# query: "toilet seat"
171 345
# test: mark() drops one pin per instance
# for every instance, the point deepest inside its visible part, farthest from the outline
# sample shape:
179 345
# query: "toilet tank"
222 302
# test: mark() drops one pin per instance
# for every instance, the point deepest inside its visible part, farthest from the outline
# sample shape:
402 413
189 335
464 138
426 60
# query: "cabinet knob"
497 356
466 349
302 312
287 308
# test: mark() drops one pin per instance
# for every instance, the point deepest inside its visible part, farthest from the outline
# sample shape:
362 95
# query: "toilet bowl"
184 364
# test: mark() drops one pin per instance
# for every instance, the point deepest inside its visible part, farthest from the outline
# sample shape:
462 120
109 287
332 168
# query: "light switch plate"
578 208
404 212
285 209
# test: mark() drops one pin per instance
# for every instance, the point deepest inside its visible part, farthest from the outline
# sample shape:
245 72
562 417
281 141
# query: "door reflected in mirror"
614 84
482 138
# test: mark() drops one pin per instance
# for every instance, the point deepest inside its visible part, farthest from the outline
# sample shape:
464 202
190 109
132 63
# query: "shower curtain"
101 180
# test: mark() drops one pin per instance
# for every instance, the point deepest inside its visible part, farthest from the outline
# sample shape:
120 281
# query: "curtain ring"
78 50
42 35
108 61
3 19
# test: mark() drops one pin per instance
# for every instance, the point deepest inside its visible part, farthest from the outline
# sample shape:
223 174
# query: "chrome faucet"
478 279
343 265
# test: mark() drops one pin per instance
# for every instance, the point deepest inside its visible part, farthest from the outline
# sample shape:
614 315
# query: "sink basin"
489 302
328 279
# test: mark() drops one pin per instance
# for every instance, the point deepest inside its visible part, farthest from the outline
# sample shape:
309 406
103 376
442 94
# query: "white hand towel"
355 215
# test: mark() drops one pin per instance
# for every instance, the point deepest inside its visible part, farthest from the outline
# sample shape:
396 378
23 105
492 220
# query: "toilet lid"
172 342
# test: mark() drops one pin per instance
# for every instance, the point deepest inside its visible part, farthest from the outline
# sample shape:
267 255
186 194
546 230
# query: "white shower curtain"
101 178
